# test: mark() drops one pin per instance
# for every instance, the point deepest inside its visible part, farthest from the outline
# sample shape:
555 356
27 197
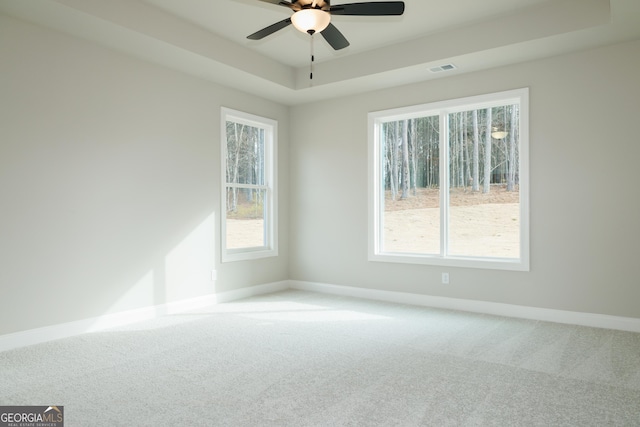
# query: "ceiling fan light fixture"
311 20
498 133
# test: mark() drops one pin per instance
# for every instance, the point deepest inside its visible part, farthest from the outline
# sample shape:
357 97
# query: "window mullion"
248 186
444 184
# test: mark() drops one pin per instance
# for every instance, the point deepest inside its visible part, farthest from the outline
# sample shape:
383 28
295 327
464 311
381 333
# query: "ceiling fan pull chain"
311 64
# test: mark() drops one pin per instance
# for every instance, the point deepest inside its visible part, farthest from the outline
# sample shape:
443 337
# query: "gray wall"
584 154
110 182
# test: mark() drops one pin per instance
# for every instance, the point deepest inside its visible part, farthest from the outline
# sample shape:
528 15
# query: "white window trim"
520 96
271 205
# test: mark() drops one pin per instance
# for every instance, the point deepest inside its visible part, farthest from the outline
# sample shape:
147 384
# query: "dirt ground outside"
479 224
245 233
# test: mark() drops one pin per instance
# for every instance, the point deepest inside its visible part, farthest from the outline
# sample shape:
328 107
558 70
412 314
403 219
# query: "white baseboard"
64 330
113 320
250 291
630 324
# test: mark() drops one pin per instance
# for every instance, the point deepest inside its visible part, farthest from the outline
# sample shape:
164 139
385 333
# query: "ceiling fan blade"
280 3
334 37
269 30
380 8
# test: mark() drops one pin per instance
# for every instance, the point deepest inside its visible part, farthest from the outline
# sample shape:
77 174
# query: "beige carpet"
304 359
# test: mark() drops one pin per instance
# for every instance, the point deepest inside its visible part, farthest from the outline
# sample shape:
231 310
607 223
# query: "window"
449 183
249 228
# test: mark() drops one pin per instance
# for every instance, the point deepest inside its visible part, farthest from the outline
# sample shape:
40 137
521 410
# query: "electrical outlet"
214 275
445 278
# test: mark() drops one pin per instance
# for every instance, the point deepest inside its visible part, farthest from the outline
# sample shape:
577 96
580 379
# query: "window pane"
449 185
484 200
245 154
245 221
411 208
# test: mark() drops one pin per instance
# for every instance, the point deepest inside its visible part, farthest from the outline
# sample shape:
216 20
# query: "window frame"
442 109
270 127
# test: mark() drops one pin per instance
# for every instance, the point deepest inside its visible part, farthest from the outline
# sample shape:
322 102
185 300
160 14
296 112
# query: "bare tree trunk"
414 155
486 187
475 184
431 172
238 136
453 151
461 148
394 161
467 165
512 165
387 158
405 159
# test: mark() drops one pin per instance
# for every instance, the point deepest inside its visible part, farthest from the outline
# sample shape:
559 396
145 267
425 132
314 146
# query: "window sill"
451 261
248 254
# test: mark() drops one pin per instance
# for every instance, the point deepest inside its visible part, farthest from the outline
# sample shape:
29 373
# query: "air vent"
444 67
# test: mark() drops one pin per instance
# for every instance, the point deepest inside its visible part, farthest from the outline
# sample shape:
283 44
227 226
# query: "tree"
461 149
434 151
235 138
486 186
405 159
391 165
512 164
475 181
394 157
413 140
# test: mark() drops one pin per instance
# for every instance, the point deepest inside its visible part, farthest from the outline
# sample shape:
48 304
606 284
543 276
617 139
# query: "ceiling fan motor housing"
312 4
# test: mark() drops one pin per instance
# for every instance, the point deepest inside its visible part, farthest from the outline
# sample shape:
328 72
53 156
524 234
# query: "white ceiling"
236 19
207 38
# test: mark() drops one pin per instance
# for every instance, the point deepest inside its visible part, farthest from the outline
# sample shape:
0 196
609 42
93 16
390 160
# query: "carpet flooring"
298 358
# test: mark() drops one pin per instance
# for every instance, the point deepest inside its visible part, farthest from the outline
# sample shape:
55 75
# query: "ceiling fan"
314 16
